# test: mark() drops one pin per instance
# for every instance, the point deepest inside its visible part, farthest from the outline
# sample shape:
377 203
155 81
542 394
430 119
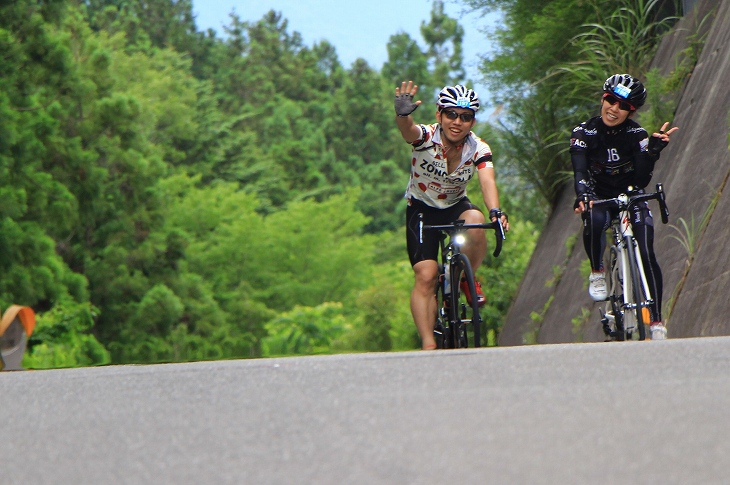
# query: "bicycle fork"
644 304
632 273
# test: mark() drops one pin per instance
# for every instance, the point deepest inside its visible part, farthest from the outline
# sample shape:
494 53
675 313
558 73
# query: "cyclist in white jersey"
445 156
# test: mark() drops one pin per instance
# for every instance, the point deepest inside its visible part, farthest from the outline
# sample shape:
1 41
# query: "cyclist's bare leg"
423 302
476 244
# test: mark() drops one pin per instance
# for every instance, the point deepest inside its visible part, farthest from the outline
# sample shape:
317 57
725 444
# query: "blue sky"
356 29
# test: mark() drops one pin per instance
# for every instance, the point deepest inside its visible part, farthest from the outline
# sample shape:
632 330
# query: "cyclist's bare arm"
404 106
490 194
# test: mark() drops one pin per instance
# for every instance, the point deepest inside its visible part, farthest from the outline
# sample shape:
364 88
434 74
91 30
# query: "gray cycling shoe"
658 331
597 286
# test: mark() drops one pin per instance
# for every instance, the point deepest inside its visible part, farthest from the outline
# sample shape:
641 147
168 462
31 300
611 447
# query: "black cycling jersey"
607 160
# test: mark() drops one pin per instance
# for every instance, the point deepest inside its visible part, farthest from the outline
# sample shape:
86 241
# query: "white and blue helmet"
458 97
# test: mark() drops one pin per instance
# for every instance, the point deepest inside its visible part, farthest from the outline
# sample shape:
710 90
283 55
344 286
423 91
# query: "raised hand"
404 104
660 139
663 134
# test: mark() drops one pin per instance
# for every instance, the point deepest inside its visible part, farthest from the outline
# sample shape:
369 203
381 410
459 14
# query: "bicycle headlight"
459 239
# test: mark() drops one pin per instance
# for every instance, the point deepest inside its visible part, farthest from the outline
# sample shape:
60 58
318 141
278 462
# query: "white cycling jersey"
430 183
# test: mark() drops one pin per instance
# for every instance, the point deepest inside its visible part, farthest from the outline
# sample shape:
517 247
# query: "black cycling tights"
597 221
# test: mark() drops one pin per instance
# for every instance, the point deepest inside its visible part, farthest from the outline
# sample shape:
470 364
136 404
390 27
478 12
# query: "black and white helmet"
458 97
626 87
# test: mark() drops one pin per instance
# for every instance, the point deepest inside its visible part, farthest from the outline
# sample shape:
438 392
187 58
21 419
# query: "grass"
690 237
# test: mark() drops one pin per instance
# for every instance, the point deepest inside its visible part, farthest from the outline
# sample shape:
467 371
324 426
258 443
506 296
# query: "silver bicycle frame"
625 241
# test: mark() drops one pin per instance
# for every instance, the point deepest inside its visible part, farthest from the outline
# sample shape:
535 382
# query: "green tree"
438 65
320 253
444 37
406 61
35 207
305 330
61 338
168 195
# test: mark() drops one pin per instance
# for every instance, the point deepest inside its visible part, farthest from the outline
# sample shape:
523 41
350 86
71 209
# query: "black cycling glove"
497 213
404 104
656 145
582 198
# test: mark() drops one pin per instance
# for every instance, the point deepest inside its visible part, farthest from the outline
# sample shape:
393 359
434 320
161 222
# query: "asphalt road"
614 413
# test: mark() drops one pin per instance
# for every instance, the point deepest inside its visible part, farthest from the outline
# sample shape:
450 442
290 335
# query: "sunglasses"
452 115
624 105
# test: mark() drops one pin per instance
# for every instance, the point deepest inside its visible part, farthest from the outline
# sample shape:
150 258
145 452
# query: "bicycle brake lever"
586 202
662 203
499 236
420 228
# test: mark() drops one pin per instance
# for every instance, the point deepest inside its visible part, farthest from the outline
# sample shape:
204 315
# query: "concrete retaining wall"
694 169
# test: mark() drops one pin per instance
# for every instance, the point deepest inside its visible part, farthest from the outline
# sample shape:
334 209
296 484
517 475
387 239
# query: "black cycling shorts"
429 248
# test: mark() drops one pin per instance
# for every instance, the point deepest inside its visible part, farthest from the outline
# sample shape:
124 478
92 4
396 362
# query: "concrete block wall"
694 169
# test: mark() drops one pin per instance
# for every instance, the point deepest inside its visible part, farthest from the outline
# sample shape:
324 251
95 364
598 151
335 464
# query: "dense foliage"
169 195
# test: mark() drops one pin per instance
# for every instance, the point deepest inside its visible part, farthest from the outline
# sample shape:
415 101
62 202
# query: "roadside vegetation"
174 195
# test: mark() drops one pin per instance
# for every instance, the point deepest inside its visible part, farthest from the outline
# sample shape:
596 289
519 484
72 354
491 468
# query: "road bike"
626 313
454 313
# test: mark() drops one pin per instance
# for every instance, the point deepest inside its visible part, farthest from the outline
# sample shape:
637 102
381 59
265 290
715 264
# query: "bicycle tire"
637 294
457 330
628 317
447 312
615 298
439 329
475 320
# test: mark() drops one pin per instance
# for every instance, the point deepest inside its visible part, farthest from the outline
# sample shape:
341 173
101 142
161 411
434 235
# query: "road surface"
632 412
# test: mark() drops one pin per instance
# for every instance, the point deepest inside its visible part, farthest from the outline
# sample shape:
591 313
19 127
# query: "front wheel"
638 295
442 329
470 314
613 322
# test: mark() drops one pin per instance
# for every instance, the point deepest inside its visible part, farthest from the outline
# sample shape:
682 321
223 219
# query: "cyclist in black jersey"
609 153
444 157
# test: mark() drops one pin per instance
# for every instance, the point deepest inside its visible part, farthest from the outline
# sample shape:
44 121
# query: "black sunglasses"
624 105
452 115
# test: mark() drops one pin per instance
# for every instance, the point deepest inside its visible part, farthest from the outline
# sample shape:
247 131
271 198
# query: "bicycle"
454 314
626 312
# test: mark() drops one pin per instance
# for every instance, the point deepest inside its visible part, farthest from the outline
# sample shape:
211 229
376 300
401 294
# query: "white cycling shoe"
597 286
658 331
